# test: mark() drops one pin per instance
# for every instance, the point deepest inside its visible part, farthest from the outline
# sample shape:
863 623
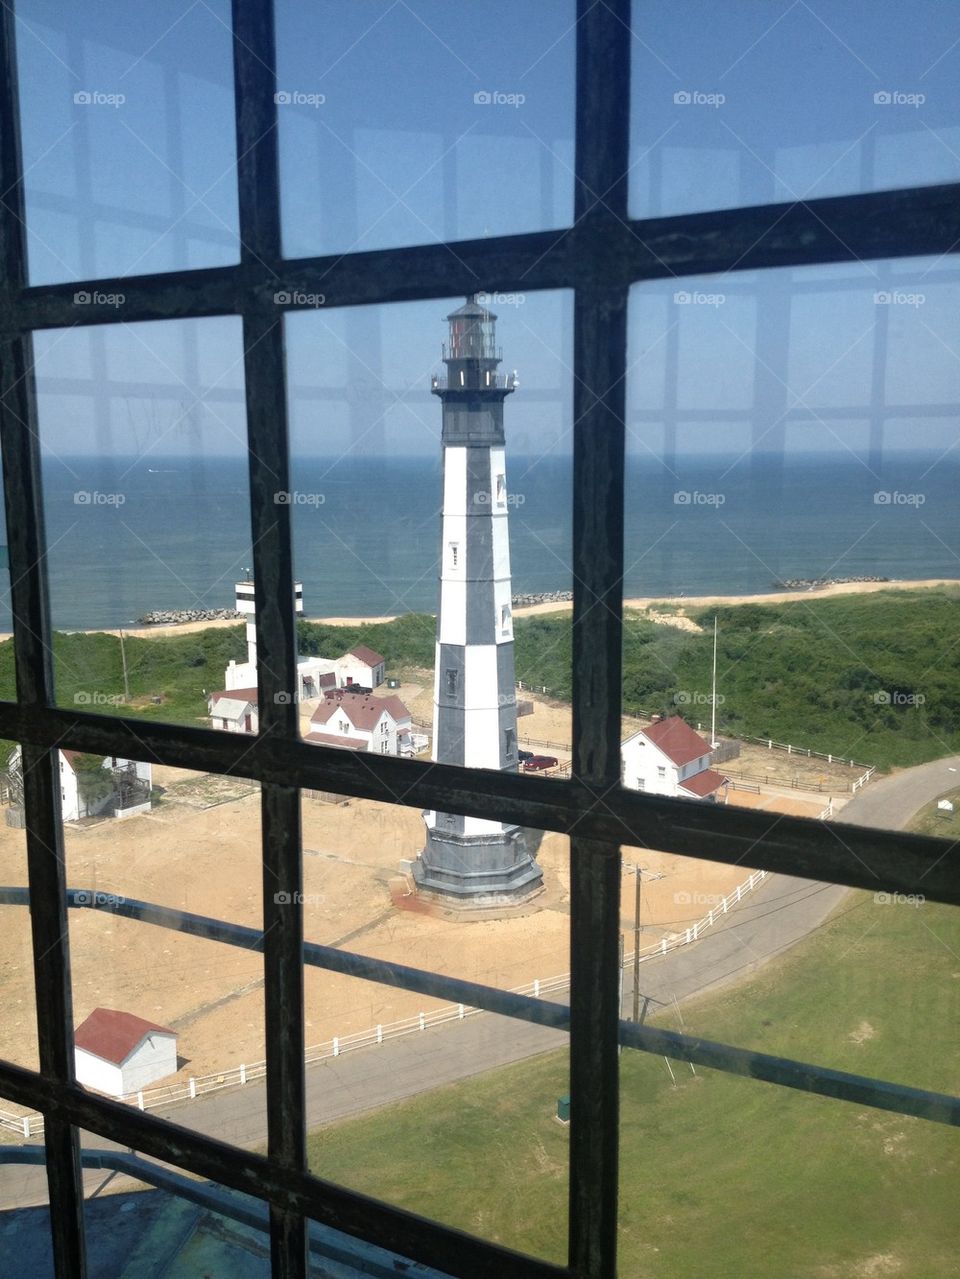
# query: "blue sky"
129 149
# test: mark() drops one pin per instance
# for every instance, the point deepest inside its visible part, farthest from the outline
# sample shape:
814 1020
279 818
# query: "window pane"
128 138
165 1016
413 498
200 1228
18 1032
145 462
741 104
402 126
26 1245
802 970
792 475
382 1117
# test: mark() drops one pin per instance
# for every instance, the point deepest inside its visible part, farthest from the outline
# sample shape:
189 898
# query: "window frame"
600 256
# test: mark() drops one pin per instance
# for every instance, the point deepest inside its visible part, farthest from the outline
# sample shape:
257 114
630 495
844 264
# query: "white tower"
471 859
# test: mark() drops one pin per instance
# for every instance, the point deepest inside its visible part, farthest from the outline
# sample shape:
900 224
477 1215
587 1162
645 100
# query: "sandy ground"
199 852
641 602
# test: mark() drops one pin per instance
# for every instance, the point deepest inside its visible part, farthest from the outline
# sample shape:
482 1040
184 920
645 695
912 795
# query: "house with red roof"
361 666
357 721
119 1053
234 710
670 758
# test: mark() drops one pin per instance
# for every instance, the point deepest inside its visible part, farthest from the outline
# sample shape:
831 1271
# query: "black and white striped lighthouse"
474 860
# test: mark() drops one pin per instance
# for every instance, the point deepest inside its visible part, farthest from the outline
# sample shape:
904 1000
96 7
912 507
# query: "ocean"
126 536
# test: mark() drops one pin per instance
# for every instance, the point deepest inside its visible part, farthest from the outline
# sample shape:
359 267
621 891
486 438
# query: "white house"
119 1053
128 795
361 666
380 725
234 710
670 758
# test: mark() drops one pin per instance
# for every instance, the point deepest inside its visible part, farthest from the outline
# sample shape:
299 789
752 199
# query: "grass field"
721 1176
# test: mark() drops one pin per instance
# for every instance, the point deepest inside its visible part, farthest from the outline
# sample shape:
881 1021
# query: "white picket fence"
30 1126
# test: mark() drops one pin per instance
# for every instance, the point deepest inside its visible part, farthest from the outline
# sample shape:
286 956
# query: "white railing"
31 1125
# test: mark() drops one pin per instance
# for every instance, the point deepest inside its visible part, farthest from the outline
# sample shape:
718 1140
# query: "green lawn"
932 821
721 1176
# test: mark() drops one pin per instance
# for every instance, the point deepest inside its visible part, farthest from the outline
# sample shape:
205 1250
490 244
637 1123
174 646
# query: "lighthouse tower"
470 859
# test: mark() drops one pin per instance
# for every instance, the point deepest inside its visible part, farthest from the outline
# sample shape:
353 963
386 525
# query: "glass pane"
820 974
382 1114
792 479
399 125
128 138
414 498
26 1245
200 1228
165 1017
145 462
742 104
18 1032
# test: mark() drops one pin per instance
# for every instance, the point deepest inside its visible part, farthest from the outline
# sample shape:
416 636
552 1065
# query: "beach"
565 606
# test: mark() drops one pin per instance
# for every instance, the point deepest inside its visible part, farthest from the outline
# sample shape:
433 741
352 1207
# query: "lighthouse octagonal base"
478 870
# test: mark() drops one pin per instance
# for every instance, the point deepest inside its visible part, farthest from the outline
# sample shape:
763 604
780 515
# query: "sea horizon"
128 536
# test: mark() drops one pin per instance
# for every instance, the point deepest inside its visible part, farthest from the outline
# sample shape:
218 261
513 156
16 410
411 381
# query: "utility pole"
123 659
713 699
636 948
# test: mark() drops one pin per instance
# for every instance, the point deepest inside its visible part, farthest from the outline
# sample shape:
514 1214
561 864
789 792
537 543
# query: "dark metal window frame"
599 257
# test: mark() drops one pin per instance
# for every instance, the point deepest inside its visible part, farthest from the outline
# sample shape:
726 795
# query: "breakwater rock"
542 597
815 583
174 616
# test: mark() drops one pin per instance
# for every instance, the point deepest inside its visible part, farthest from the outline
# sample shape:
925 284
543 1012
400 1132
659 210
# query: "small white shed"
119 1053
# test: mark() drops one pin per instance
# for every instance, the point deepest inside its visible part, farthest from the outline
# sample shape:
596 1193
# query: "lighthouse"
472 860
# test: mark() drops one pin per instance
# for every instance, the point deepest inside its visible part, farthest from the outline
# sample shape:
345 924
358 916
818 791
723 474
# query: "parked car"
537 763
522 755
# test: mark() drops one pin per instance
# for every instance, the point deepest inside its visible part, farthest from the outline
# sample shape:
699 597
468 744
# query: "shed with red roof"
119 1053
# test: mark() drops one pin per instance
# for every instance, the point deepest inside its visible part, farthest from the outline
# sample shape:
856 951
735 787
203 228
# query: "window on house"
251 255
661 770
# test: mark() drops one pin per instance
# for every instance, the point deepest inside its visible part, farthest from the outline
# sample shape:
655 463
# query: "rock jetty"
542 597
816 583
174 616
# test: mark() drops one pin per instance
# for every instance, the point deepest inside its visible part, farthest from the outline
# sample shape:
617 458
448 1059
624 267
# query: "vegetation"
719 1174
870 677
932 820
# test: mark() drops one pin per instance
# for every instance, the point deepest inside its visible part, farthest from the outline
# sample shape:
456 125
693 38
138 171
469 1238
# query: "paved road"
768 922
891 802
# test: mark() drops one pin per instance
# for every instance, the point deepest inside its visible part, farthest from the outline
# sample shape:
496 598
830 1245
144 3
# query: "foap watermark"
298 899
483 497
96 298
899 899
296 98
697 98
83 497
286 699
97 98
898 697
887 497
687 898
95 698
897 98
501 299
85 897
295 498
495 98
684 298
691 697
294 297
686 497
898 297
